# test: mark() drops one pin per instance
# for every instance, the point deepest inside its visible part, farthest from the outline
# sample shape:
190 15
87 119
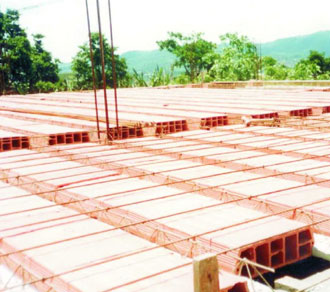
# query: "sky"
138 24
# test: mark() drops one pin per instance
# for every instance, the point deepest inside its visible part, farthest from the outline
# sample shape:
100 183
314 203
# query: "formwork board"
126 108
135 112
188 175
48 260
79 111
127 93
63 233
141 105
247 141
56 120
198 96
175 226
282 132
164 106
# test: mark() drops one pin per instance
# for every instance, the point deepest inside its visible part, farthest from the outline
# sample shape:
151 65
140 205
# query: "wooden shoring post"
206 273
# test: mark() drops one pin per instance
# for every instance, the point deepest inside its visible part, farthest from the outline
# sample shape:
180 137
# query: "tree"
15 49
323 63
304 70
21 65
315 66
193 53
272 70
43 67
320 60
82 68
238 59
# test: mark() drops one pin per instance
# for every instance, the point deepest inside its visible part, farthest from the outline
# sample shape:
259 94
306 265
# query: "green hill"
64 68
287 50
147 61
291 50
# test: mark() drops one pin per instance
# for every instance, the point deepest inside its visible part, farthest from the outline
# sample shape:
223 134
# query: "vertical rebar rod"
103 71
2 57
2 69
260 52
114 75
93 71
2 77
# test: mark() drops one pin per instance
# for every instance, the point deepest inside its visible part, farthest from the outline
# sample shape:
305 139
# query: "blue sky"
138 24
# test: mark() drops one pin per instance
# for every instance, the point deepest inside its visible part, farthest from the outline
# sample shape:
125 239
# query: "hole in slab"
16 143
245 272
25 142
132 132
116 133
6 146
52 140
277 245
277 259
25 145
305 236
139 132
305 250
184 126
69 138
178 126
159 128
125 134
60 139
85 137
262 254
248 253
291 252
77 137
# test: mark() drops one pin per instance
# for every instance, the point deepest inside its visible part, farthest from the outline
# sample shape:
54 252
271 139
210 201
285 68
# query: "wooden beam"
206 273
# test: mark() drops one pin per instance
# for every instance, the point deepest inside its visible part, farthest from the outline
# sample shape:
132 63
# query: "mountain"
64 68
287 50
141 61
147 61
290 50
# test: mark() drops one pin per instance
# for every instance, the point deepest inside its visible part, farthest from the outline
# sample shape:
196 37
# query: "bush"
21 87
45 86
182 79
